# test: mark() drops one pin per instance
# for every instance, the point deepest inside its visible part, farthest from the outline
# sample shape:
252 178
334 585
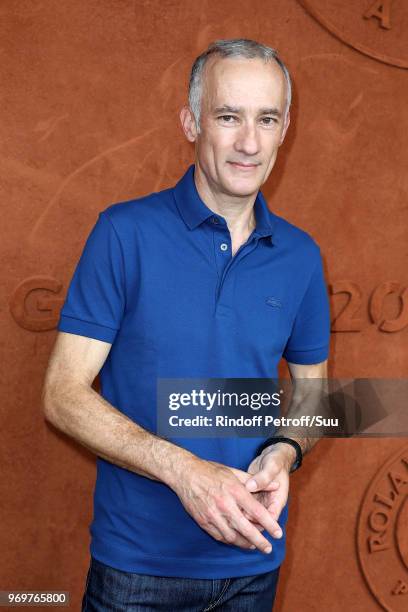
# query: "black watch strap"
299 455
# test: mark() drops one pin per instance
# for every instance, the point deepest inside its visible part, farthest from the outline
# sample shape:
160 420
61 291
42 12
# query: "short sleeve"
95 299
310 337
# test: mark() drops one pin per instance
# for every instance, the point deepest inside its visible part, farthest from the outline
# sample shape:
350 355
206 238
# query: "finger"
241 524
245 476
272 486
257 525
260 481
275 509
265 497
214 532
240 474
259 514
231 535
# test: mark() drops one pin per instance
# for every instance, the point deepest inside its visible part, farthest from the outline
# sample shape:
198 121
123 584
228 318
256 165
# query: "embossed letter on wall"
35 305
377 29
382 535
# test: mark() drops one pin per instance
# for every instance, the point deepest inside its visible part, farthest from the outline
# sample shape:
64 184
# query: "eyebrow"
238 109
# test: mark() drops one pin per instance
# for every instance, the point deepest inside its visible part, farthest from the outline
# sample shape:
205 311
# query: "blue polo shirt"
156 279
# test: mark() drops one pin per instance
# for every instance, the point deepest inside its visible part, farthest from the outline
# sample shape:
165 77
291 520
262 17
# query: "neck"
237 211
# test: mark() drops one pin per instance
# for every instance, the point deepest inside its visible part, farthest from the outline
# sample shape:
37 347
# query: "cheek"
271 143
203 149
271 150
220 140
216 146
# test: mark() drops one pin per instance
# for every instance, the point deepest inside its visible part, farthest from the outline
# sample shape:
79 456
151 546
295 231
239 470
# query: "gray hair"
234 47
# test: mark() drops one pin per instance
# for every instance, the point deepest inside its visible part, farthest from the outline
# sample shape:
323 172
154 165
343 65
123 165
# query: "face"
241 126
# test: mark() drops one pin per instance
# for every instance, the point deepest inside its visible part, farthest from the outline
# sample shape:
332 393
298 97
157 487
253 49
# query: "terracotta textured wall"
90 98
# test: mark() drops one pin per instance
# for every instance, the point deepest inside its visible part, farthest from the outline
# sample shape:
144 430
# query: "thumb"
259 481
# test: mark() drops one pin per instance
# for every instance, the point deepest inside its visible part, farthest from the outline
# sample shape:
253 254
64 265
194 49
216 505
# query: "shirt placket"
226 264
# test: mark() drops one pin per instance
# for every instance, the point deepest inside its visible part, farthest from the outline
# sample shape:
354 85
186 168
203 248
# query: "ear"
188 123
285 127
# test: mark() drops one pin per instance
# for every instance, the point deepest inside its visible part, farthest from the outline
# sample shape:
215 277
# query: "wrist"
181 463
286 451
293 463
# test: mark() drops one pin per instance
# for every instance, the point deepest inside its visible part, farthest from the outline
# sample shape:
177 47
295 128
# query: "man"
200 280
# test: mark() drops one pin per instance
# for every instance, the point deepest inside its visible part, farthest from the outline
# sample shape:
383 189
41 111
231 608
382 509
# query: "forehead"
243 82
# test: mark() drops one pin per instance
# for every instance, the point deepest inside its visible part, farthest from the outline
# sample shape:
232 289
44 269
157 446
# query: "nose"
247 140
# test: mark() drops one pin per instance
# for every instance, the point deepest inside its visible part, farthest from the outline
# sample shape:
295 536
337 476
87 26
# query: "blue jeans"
111 590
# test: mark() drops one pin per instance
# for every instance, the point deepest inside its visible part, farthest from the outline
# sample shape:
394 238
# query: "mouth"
242 166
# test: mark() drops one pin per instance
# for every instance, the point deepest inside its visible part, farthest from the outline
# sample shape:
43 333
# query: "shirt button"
215 220
224 246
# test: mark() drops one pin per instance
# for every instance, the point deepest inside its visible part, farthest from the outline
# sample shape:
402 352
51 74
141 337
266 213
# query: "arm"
212 493
308 342
274 463
72 406
305 401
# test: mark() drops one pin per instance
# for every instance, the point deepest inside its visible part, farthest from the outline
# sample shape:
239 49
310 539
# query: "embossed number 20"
345 321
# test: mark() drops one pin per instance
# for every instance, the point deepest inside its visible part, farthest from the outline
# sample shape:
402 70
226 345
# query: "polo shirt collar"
194 212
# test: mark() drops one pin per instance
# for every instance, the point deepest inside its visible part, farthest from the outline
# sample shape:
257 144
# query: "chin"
243 193
242 187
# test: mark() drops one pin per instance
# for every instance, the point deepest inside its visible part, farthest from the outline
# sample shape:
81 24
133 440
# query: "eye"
227 118
269 120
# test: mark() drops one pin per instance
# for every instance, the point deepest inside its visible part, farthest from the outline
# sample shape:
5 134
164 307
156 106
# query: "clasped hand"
235 506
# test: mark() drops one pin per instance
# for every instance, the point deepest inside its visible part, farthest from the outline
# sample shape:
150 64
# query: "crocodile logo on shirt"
273 302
